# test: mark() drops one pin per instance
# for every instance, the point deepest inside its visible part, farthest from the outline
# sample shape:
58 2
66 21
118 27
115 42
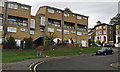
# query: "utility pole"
5 16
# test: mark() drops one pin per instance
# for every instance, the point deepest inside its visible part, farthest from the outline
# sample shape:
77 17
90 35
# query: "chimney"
98 22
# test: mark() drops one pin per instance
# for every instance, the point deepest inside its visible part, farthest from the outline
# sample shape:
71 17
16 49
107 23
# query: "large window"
81 27
12 29
53 22
50 29
79 41
13 6
25 30
69 25
79 17
42 21
22 22
50 10
84 17
32 24
17 21
2 3
24 7
96 33
79 33
66 32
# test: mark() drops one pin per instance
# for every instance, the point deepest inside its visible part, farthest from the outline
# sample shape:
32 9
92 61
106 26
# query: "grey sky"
101 11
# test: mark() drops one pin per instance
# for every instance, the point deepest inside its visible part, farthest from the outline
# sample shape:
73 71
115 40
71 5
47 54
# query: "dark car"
104 51
109 45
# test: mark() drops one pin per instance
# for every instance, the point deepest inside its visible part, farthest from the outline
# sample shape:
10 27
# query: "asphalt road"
81 63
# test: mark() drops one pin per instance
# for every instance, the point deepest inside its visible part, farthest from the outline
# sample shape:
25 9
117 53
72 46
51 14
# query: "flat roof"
17 3
64 11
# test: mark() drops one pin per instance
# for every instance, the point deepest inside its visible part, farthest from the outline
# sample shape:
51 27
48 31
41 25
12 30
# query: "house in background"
103 32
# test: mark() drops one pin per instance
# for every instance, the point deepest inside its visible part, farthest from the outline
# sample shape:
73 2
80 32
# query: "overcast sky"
101 10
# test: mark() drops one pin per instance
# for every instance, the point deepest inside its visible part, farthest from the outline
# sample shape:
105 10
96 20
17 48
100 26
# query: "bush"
10 43
49 39
28 43
97 41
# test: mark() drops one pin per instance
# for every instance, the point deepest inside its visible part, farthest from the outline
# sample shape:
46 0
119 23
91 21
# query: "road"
81 63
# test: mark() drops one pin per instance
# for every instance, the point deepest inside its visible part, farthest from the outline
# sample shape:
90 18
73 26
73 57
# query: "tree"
115 20
49 38
10 43
28 43
67 10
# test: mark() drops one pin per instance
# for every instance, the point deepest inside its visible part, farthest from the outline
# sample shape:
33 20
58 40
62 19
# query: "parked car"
104 51
109 45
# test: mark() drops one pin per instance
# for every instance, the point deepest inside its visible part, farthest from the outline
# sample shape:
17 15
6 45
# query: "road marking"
110 64
37 65
31 66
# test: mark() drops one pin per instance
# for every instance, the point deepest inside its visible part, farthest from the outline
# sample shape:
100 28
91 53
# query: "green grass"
13 56
73 51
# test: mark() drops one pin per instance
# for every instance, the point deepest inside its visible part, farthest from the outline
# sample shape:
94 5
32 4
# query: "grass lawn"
13 56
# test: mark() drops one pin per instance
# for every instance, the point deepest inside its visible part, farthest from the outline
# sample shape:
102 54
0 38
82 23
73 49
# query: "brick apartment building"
16 20
103 32
117 33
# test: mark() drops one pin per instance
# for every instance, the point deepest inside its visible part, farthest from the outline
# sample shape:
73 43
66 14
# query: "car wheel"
105 53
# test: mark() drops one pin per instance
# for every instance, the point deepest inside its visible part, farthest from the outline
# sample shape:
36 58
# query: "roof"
18 3
63 10
102 24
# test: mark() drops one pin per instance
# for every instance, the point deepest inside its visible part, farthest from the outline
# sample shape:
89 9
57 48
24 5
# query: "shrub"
10 43
97 41
49 39
28 43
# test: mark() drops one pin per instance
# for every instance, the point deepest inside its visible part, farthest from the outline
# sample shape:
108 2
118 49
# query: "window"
85 33
11 29
59 30
104 27
72 31
32 32
79 33
100 27
24 7
22 29
42 21
69 25
84 17
66 14
79 17
2 3
66 32
96 33
32 24
13 6
50 10
100 32
53 22
117 32
73 15
104 32
58 11
1 19
117 26
22 22
1 28
79 41
81 27
50 29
